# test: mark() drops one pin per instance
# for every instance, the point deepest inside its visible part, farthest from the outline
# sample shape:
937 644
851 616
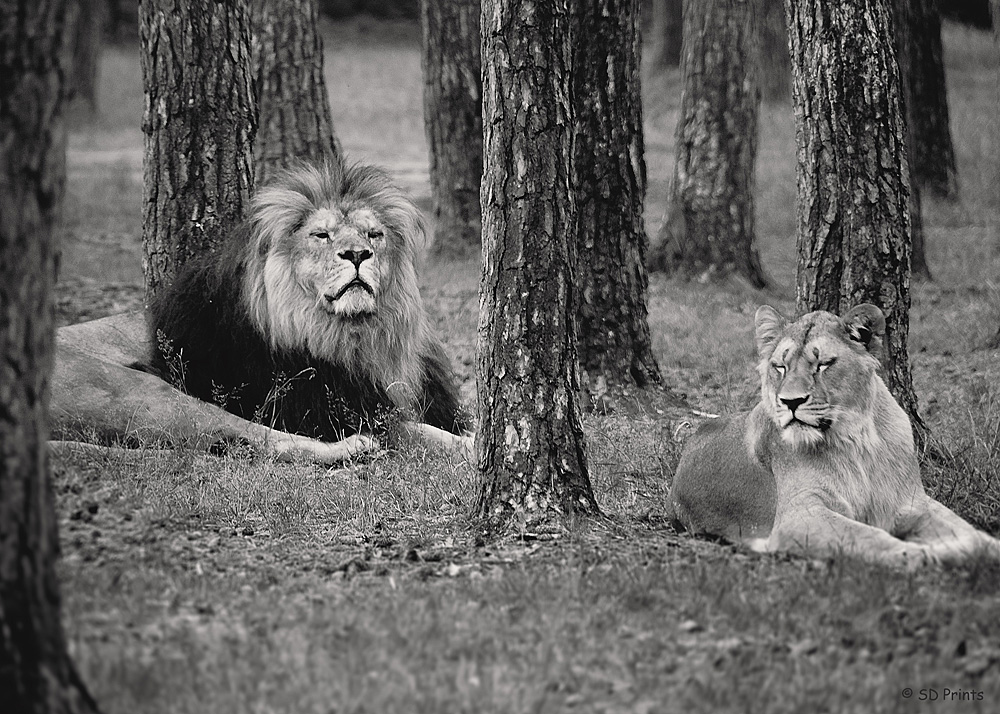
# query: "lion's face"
818 373
330 268
337 258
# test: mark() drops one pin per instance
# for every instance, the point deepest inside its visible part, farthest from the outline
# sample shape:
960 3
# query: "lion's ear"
768 326
866 324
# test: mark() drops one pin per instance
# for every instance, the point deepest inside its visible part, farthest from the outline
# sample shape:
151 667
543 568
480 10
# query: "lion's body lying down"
307 329
825 463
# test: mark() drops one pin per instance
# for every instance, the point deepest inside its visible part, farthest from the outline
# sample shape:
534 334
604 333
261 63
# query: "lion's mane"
241 328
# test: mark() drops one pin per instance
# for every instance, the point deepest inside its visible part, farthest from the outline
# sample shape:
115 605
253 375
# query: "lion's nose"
794 403
356 256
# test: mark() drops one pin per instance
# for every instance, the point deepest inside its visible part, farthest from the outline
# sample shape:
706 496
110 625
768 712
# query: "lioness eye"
322 235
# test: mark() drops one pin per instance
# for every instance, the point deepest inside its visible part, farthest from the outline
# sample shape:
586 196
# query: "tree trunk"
87 40
709 231
532 457
294 109
905 48
36 673
199 127
609 180
853 186
667 33
933 163
453 120
774 65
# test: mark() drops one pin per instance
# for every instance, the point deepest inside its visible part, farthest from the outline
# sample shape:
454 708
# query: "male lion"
307 323
825 463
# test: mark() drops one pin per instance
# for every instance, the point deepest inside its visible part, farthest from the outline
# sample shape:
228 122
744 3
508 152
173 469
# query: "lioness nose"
793 403
356 256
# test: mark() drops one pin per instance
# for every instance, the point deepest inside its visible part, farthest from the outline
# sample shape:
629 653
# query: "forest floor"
234 584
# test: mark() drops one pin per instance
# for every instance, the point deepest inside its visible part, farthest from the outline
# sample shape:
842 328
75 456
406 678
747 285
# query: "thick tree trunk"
709 231
87 40
453 120
774 65
294 110
199 125
532 458
609 180
933 163
853 185
666 32
905 48
36 673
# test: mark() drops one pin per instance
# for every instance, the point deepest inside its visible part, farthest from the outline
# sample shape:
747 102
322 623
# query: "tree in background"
666 31
774 69
853 183
36 672
453 121
933 158
199 126
609 182
88 31
904 45
294 121
532 456
709 228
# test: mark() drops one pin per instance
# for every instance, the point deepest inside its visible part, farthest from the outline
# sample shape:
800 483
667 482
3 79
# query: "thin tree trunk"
87 40
774 66
199 127
294 109
666 32
933 163
905 47
709 231
853 186
453 120
609 181
36 672
532 457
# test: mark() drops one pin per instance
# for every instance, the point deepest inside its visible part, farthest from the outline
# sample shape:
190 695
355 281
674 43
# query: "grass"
204 584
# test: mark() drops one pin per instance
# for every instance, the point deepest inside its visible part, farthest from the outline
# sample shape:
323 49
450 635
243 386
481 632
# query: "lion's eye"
821 367
375 233
322 235
779 368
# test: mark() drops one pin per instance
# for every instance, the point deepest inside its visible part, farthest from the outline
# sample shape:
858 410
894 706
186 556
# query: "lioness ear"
768 326
866 324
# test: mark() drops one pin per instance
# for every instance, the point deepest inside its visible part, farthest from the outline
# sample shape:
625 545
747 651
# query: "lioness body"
302 334
825 463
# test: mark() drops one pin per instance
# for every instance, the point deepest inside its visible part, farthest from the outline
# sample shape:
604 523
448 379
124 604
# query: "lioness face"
338 257
815 373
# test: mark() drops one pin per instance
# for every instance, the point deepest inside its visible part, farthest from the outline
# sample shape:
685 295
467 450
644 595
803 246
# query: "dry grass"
205 584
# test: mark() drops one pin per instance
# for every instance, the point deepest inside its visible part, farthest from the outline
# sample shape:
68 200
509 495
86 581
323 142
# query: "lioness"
825 463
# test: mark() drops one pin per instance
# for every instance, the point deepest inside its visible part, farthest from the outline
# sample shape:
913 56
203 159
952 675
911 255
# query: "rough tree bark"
709 230
294 120
905 50
453 121
609 180
933 163
36 672
199 125
853 182
666 31
532 457
88 37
